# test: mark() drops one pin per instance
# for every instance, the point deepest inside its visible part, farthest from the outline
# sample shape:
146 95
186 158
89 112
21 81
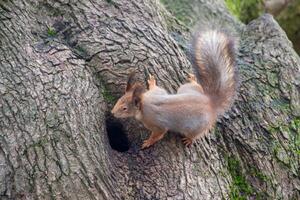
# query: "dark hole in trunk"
117 137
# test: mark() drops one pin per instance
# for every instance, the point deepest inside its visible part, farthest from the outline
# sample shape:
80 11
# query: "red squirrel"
194 109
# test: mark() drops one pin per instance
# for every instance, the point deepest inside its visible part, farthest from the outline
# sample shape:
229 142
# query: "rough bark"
62 64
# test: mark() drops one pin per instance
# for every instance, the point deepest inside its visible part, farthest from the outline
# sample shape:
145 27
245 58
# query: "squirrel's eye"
124 108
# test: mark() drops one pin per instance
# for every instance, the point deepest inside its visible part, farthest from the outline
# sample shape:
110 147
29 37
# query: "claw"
151 81
187 141
146 144
191 77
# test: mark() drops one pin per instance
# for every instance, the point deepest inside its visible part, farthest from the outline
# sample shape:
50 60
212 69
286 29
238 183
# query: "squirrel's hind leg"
191 87
154 137
187 141
189 138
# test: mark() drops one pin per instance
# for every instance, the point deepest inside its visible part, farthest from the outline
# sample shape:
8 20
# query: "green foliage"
240 188
51 32
287 151
106 93
254 172
235 7
245 10
108 97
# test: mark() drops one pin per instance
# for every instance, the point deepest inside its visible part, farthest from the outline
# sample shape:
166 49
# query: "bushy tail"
213 56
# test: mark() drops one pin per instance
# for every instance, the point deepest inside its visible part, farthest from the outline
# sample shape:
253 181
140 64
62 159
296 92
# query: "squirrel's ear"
130 81
137 95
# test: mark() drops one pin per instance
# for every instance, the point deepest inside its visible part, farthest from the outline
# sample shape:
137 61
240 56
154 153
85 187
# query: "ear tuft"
130 81
137 95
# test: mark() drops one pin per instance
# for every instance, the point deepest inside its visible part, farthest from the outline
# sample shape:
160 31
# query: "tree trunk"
63 64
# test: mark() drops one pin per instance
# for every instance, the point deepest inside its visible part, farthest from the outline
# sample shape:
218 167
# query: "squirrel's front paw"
191 78
151 82
147 143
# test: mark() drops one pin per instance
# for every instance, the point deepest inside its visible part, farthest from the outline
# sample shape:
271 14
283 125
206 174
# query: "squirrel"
194 109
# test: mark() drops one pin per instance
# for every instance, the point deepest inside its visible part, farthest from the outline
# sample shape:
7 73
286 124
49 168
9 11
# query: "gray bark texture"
62 65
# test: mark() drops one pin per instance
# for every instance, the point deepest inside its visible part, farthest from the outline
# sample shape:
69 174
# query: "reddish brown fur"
152 105
194 109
